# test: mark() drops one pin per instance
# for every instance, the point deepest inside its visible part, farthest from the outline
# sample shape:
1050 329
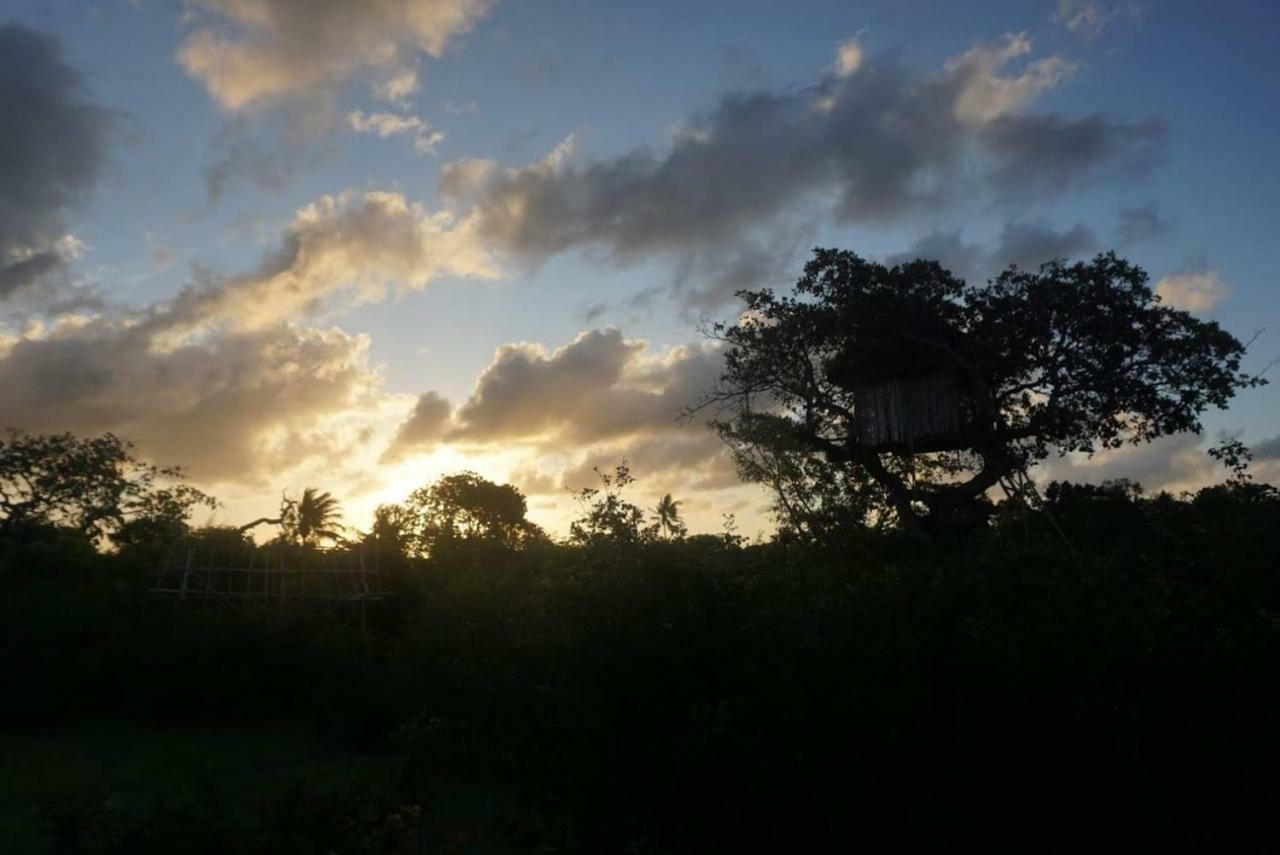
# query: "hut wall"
904 410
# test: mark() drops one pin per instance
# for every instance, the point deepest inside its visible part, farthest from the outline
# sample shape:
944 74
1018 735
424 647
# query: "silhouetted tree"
307 521
468 507
606 516
314 518
1067 358
667 518
392 528
94 486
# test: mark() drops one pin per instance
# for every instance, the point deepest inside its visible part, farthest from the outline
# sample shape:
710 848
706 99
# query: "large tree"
924 391
93 485
466 507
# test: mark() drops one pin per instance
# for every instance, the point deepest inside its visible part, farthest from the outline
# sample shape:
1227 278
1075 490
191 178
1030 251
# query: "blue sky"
512 80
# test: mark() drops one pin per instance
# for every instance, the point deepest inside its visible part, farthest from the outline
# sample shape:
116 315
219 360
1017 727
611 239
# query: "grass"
128 763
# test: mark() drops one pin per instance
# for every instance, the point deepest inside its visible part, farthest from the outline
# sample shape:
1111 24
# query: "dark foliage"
694 696
94 487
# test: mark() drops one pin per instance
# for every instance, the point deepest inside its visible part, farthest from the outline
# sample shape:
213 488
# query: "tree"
667 519
307 521
94 486
1067 358
392 529
606 516
468 507
314 518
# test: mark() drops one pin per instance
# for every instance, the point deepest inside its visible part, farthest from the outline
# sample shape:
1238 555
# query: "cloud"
398 87
1027 245
1140 223
849 58
984 95
1268 449
1089 18
1192 291
236 406
252 52
600 397
222 377
1175 463
685 463
600 386
351 242
384 124
867 147
593 402
424 427
51 156
425 140
1048 153
239 155
707 277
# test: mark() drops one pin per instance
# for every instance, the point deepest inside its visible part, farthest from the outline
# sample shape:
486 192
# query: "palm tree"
668 518
315 517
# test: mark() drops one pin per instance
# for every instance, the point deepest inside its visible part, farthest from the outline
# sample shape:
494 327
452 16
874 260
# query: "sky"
358 245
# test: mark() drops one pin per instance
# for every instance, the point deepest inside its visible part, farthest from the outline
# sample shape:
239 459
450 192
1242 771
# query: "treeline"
1105 663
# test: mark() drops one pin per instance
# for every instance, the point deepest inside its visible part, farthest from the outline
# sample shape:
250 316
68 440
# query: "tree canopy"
93 485
463 507
1071 357
315 517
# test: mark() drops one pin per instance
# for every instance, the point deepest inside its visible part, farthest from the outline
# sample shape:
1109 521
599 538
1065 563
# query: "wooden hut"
900 411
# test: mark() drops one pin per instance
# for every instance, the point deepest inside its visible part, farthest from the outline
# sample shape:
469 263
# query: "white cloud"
1192 291
383 124
428 142
397 88
235 406
849 57
425 140
359 243
252 52
600 386
984 95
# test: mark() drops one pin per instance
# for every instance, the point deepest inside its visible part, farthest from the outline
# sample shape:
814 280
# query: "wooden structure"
900 411
266 574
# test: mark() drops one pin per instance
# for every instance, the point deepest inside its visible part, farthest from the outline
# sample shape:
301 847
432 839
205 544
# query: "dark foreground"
1009 693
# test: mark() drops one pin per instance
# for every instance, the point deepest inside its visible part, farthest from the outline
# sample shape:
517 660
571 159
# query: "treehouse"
903 411
905 397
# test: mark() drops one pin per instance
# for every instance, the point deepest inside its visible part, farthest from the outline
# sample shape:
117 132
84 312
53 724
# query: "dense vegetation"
639 690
